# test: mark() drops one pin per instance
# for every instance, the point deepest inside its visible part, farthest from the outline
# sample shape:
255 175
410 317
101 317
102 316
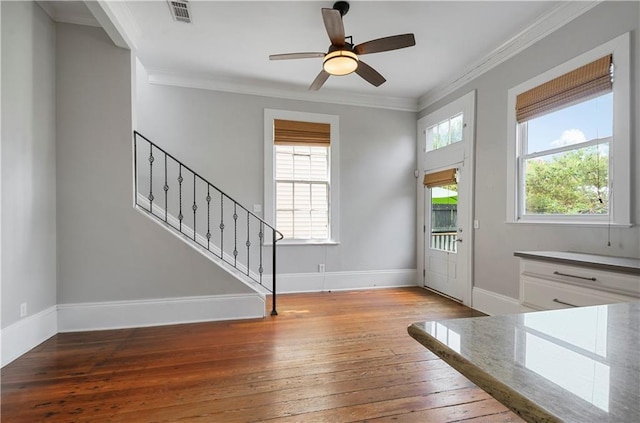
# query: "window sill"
306 242
299 242
599 224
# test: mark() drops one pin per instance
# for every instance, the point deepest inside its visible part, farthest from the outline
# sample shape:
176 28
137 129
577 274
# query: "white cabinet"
548 285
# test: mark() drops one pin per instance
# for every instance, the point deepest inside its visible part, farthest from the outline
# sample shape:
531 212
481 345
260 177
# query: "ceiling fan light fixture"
340 62
342 58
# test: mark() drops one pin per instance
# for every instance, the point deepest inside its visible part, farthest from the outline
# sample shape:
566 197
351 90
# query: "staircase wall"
221 135
107 251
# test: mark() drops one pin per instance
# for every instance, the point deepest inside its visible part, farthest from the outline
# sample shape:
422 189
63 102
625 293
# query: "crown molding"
76 19
552 20
281 91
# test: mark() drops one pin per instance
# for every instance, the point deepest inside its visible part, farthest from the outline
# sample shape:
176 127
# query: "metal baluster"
248 243
165 188
135 166
273 286
151 159
261 237
221 225
208 217
235 235
194 207
180 216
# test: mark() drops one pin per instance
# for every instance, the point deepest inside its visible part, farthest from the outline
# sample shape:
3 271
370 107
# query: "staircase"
185 202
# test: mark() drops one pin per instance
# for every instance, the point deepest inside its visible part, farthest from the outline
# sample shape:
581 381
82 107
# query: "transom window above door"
444 133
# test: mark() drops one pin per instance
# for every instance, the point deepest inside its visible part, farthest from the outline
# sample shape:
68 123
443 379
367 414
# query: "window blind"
309 134
437 179
587 81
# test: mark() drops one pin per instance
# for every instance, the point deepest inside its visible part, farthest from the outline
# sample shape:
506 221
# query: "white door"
445 258
445 202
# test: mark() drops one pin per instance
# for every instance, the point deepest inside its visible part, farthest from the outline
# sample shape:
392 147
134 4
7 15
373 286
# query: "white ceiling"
229 41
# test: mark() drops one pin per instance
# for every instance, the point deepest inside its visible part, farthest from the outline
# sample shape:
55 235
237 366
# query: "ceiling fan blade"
369 74
319 81
335 28
385 44
287 56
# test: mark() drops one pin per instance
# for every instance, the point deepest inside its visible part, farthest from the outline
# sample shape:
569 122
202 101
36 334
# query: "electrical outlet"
23 309
321 268
476 224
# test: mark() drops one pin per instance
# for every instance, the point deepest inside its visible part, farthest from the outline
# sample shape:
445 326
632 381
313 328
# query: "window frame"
619 144
334 172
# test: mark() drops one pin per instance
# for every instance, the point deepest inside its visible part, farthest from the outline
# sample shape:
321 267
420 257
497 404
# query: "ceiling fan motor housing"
347 46
342 7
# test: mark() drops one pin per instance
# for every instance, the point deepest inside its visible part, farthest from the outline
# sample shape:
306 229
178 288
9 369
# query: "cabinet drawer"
547 295
613 282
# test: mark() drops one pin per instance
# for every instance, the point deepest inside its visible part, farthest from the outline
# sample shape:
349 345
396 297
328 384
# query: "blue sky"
581 122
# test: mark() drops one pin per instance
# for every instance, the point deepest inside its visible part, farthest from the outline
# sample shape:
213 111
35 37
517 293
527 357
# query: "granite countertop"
611 263
572 365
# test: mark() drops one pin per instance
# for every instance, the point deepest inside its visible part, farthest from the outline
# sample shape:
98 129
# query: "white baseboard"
341 281
169 311
492 303
25 334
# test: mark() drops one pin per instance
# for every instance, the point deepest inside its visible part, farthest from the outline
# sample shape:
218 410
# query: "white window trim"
620 149
334 178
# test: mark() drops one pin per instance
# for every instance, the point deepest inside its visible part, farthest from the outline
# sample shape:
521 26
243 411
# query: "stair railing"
176 195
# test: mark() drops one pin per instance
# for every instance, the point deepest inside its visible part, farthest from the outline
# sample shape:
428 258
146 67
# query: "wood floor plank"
327 357
504 417
410 404
449 413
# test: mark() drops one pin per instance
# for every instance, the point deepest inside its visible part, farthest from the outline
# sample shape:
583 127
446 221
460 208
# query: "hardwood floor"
328 357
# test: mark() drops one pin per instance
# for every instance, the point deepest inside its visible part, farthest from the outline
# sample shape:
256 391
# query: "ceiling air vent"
180 10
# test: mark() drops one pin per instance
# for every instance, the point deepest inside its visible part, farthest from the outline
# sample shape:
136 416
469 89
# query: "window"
444 133
300 181
443 188
447 134
564 160
569 141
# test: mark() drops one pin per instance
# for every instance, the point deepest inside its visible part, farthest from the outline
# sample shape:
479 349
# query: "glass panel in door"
444 218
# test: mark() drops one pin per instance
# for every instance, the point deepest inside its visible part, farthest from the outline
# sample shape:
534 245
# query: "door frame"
447 157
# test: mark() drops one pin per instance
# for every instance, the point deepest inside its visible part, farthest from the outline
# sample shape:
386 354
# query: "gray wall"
495 268
220 135
75 212
107 251
28 160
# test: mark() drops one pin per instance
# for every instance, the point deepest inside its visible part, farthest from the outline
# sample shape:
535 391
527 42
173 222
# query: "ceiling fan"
342 58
